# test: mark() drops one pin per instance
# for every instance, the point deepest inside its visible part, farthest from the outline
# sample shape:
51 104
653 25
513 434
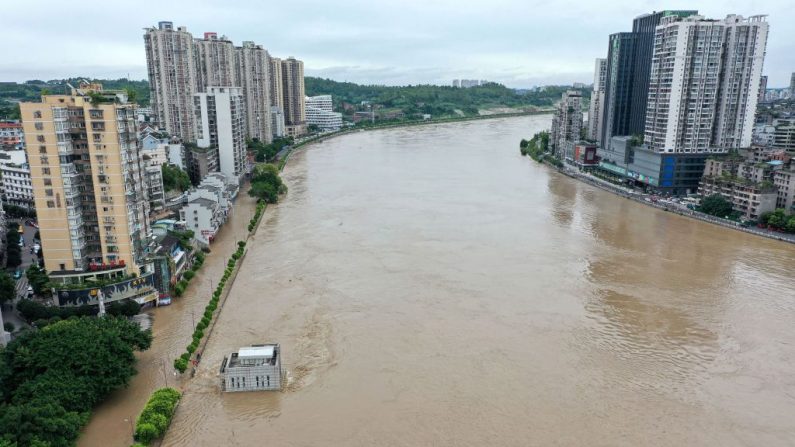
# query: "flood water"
172 330
430 286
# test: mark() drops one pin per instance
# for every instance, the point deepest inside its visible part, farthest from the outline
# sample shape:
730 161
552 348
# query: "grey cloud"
517 42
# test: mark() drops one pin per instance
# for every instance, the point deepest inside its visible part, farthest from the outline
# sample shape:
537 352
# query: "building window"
51 204
37 114
48 192
42 149
47 182
39 126
40 138
45 171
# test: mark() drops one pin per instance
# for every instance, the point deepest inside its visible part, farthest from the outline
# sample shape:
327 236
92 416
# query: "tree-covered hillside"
389 102
13 92
433 99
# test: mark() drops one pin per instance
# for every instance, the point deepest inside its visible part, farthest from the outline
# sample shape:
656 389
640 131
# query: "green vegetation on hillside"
12 92
51 378
389 103
435 100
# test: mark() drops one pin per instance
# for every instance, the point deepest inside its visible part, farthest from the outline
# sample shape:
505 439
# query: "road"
9 310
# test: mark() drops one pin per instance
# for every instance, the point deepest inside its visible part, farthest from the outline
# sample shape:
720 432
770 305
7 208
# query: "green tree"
126 308
266 184
132 94
8 288
51 378
789 227
716 205
175 179
41 422
38 279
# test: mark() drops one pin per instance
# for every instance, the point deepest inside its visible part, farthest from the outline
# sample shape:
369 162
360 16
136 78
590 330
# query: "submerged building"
254 368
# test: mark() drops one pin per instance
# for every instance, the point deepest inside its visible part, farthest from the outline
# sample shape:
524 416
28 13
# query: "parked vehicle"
30 292
18 274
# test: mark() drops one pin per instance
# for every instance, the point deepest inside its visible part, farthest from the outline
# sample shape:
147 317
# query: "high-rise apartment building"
293 93
704 84
87 179
596 109
566 122
628 71
643 28
221 124
618 87
215 62
172 78
276 84
251 73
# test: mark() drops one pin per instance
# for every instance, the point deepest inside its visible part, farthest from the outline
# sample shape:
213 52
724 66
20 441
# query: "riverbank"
172 329
682 211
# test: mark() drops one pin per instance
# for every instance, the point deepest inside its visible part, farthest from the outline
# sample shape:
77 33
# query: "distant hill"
405 101
13 92
435 100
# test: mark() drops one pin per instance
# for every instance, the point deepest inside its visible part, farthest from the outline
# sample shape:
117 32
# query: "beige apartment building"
88 185
294 96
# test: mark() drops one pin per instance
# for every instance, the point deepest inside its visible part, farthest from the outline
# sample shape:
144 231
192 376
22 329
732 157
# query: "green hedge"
181 363
156 415
257 213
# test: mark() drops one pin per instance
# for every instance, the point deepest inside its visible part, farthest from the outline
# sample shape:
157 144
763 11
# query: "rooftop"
207 203
255 355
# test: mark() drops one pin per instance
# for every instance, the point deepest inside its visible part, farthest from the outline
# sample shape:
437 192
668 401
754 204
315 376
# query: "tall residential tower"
215 62
88 184
251 73
172 77
629 64
294 97
704 84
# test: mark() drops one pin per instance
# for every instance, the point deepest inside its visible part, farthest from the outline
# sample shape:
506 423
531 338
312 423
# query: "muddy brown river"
430 286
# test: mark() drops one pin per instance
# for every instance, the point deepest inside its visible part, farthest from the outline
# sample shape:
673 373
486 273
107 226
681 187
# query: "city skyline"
409 43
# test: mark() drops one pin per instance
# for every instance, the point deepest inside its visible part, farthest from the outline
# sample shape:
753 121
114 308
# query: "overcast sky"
520 43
